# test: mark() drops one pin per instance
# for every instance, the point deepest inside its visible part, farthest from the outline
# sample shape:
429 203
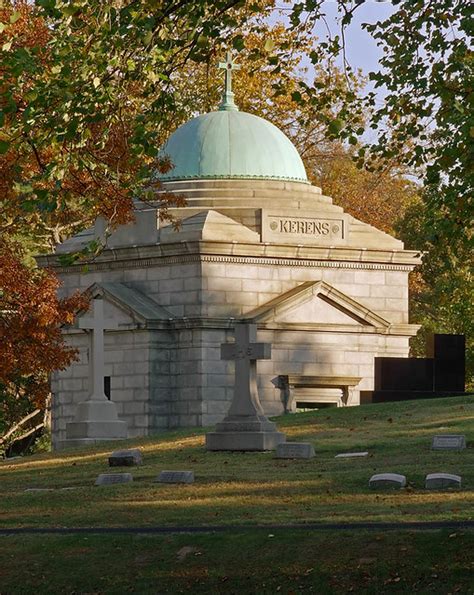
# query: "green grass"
245 489
247 562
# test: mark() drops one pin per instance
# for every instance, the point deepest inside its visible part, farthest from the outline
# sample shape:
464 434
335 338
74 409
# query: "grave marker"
387 480
176 477
350 455
436 481
449 442
113 478
125 458
96 418
294 450
245 426
32 490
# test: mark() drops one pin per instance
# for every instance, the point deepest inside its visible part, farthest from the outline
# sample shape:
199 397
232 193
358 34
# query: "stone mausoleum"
256 243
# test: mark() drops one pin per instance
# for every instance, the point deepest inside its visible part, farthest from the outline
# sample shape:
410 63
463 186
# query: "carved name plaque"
113 478
176 477
295 450
449 442
309 228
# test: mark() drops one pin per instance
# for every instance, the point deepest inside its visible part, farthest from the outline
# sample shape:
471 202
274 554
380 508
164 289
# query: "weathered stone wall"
171 378
127 362
233 289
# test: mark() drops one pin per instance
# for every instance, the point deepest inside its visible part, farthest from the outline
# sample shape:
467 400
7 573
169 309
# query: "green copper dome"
232 144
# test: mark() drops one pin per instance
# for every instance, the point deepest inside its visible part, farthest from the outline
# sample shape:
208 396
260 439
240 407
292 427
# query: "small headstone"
387 480
294 450
449 442
436 481
351 455
125 458
176 477
39 490
112 478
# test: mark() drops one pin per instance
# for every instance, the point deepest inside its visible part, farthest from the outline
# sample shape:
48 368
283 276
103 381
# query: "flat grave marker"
176 477
294 450
448 442
125 458
113 478
436 481
352 455
387 480
32 490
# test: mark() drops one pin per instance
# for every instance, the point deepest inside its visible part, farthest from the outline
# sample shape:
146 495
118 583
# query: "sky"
361 50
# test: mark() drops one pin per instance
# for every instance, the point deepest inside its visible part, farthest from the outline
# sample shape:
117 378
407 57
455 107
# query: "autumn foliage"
31 345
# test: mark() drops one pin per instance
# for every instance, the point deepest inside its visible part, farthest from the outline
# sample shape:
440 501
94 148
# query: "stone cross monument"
96 418
245 427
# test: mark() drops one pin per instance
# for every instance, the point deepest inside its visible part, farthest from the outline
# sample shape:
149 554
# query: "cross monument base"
242 432
95 421
245 427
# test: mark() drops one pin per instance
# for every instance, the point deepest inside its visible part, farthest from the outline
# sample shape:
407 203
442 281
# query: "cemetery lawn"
245 489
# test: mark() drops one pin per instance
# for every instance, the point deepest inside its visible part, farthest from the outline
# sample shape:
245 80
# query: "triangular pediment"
316 302
208 225
127 306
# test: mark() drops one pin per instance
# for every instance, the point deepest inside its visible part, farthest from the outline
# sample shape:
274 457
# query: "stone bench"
333 390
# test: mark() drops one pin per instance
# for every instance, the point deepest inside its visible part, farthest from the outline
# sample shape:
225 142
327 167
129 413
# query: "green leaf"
3 26
296 96
7 46
14 17
238 43
31 95
269 45
4 146
29 206
2 119
335 126
67 259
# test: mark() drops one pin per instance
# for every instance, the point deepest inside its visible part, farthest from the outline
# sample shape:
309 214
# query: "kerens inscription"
309 229
312 227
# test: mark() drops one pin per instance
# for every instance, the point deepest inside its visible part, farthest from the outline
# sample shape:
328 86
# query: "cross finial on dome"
228 98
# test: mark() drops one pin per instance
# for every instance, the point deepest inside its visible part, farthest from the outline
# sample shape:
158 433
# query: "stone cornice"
242 253
198 322
403 330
